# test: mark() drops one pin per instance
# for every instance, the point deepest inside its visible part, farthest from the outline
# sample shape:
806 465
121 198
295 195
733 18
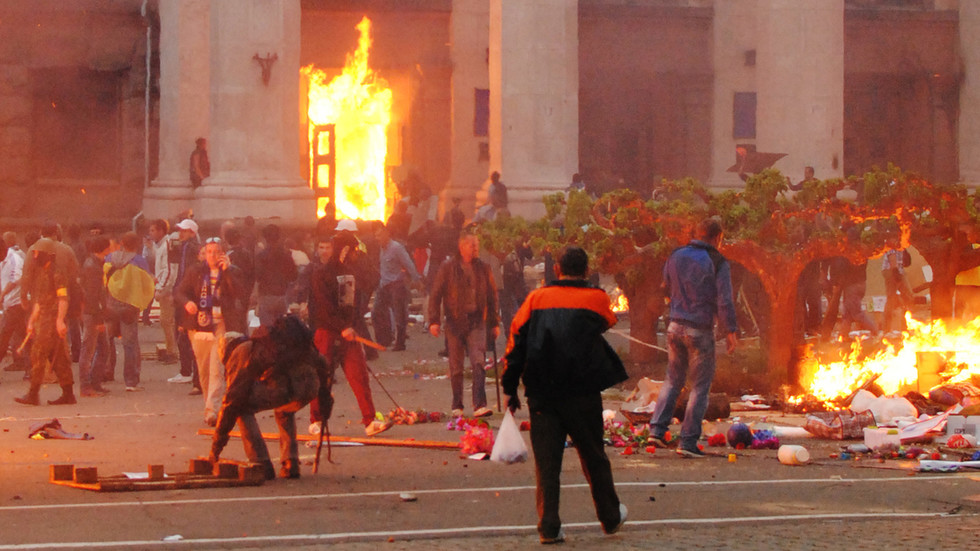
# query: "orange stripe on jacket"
554 296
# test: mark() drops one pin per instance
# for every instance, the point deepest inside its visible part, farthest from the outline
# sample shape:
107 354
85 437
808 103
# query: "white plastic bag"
509 446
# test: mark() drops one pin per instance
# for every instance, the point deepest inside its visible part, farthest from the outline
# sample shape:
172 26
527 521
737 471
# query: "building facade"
101 101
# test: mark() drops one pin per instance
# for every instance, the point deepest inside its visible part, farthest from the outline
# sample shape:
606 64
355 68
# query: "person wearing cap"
275 272
47 324
183 255
333 307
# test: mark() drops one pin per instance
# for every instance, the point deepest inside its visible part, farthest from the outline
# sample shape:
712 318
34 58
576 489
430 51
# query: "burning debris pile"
928 356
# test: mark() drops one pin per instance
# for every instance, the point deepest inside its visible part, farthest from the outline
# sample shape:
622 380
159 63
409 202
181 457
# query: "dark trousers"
581 418
392 299
13 330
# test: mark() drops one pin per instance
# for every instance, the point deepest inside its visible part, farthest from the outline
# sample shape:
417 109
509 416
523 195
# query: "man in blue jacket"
698 282
556 347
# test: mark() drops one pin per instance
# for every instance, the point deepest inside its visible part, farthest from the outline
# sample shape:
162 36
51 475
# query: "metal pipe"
146 96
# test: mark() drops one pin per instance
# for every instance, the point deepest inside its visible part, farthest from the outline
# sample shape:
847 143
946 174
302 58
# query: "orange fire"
358 103
619 302
930 354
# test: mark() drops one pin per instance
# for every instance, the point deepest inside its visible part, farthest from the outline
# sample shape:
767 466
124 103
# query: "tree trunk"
941 290
778 340
646 306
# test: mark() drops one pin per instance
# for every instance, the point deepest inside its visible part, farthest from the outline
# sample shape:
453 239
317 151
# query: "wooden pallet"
367 441
200 475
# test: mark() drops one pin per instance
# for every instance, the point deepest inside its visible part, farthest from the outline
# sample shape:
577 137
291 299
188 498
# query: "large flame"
358 102
930 354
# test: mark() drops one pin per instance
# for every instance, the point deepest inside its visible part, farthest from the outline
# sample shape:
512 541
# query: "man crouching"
282 371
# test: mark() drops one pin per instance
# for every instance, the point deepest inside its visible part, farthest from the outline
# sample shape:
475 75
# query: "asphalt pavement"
409 498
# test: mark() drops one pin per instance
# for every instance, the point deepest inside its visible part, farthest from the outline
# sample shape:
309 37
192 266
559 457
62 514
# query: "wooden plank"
406 443
232 474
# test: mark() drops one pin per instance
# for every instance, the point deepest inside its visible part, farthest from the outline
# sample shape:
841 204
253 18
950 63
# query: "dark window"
76 123
481 113
744 115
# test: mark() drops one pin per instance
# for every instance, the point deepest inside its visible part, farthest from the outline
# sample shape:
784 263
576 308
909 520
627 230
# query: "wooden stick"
366 342
319 447
407 443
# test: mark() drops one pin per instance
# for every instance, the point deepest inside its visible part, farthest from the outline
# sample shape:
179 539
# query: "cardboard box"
958 424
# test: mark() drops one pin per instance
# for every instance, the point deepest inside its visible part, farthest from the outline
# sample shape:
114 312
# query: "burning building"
103 100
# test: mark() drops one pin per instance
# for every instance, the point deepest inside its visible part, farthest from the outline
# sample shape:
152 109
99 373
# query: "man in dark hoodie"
92 358
333 310
275 271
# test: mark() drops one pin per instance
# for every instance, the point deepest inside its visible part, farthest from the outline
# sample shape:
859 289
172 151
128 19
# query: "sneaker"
178 378
691 453
483 412
376 427
315 428
560 538
457 413
622 520
89 392
196 391
659 442
134 389
397 348
211 420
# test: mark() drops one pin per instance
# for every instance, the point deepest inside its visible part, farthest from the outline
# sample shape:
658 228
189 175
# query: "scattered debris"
52 430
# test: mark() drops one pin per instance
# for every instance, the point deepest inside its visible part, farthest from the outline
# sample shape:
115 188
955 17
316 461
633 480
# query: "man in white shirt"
164 277
14 315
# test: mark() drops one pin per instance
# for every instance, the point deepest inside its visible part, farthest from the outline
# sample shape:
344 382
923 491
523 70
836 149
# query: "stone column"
735 35
969 120
254 146
800 84
469 28
533 98
185 59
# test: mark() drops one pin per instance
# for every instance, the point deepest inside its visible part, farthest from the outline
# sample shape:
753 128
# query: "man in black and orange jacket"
556 346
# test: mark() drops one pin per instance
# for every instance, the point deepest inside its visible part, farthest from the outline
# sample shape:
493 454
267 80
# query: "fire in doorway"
349 116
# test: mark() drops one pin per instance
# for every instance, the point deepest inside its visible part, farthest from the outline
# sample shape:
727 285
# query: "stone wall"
78 157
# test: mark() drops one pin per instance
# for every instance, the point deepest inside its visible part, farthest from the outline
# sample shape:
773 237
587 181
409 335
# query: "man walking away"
556 344
699 285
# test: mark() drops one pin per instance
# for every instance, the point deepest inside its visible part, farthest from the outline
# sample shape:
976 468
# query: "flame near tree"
358 103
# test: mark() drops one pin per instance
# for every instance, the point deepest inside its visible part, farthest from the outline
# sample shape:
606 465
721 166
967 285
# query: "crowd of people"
70 296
